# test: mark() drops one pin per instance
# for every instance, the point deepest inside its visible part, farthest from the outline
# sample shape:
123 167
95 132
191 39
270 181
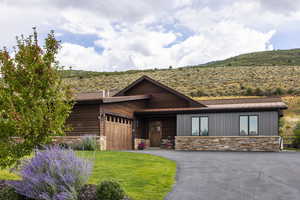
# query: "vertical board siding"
227 124
118 133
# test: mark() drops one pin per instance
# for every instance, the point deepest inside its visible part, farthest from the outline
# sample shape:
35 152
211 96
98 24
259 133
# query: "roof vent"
105 93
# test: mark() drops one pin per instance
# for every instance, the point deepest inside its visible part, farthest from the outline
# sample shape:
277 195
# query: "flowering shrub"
141 146
53 174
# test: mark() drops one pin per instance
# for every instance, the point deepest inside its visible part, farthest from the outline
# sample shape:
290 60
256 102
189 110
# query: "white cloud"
79 57
126 50
221 43
140 34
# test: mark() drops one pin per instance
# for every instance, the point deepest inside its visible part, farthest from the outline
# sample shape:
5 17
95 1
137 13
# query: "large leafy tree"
34 102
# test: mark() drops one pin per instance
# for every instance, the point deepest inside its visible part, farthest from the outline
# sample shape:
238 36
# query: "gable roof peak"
155 82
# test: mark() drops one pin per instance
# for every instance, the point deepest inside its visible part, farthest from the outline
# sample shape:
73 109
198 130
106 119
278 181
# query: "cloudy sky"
112 35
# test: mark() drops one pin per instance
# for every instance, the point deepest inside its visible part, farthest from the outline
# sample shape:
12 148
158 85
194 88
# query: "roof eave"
209 111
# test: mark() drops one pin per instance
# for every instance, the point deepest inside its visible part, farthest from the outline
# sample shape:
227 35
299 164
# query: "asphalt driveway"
234 175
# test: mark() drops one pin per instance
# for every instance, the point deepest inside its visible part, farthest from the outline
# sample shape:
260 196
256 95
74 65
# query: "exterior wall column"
102 119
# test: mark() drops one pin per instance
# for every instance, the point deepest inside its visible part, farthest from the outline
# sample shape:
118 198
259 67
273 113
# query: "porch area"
155 131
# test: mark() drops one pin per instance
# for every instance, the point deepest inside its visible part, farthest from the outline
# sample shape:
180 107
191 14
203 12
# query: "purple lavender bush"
53 174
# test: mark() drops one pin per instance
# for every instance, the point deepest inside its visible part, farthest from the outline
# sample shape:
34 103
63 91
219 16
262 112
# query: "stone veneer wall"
101 140
228 143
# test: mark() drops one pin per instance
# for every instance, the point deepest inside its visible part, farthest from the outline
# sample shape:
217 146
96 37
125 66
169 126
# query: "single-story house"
149 112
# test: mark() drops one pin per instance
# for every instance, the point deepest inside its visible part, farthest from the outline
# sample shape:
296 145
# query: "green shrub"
279 91
249 92
296 131
258 92
110 190
88 143
9 193
291 91
200 93
64 146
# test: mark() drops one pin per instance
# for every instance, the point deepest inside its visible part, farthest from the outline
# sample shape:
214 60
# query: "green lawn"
143 176
291 149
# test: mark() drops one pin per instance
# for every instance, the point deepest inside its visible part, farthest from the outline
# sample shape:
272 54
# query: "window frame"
248 124
199 125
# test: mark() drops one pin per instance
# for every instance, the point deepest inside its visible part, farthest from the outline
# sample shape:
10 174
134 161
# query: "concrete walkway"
234 175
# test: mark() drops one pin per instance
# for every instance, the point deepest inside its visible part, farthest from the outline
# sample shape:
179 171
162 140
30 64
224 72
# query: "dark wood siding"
168 128
141 128
160 98
124 108
168 125
84 120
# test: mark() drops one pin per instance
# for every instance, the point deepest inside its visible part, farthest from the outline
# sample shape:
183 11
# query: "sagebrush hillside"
261 73
200 81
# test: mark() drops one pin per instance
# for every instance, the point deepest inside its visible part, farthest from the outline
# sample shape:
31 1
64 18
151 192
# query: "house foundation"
228 143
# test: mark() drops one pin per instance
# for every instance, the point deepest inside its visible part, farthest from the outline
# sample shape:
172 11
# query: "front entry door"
155 133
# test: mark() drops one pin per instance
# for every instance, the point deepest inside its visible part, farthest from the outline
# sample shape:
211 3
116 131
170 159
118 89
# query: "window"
195 126
243 125
253 125
204 126
200 126
249 125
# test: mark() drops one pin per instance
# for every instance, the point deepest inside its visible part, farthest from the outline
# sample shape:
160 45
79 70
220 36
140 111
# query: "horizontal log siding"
227 124
84 120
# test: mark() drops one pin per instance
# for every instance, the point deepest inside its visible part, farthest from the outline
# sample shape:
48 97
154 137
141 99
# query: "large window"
200 126
249 125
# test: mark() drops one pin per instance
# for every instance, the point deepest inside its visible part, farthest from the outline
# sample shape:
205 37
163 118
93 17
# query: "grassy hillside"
200 81
265 58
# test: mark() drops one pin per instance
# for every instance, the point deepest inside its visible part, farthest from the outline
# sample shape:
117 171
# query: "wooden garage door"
118 133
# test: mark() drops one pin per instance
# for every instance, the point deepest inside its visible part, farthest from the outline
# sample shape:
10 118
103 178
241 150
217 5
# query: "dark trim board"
118 115
202 111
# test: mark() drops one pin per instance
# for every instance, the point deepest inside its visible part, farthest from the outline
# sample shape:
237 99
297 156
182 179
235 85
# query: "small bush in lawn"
53 174
9 193
110 190
88 143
